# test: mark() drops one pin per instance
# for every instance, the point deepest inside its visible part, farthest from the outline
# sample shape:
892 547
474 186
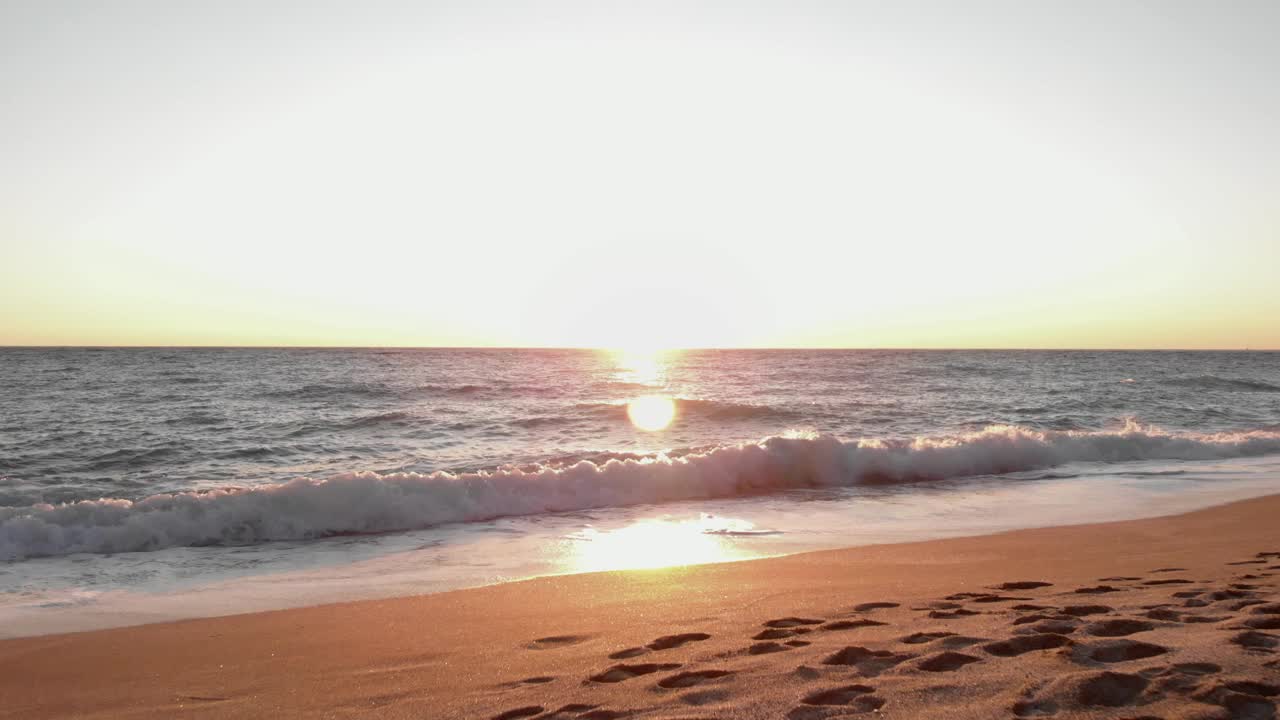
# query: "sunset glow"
654 175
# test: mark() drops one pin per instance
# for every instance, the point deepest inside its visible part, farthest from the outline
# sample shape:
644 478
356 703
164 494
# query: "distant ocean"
124 467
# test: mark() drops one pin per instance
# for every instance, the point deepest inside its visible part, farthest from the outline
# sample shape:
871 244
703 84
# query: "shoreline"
468 653
441 560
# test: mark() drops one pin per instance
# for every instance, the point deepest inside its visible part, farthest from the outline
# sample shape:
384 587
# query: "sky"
646 174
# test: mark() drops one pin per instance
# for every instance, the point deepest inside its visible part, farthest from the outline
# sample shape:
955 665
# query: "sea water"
154 483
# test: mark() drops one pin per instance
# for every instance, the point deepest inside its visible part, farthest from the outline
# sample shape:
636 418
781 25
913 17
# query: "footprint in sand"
573 709
1114 651
780 633
1082 610
1096 688
1247 699
1119 578
950 614
704 697
790 622
1022 585
1023 644
959 641
1181 677
539 680
1197 668
1168 581
945 661
924 637
1035 617
1254 640
667 642
1232 594
764 648
1169 569
1118 627
628 653
618 673
555 641
1185 618
868 606
1097 590
689 679
1052 627
869 662
850 624
859 696
983 597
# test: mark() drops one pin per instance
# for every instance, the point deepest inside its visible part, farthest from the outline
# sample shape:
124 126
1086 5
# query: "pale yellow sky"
1076 174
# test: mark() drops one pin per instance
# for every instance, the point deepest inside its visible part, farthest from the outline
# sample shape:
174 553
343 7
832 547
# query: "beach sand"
1175 617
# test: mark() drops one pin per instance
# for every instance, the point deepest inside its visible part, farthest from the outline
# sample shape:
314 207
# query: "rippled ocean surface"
133 455
126 424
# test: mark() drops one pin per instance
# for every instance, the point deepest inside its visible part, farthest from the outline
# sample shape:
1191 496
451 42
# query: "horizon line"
933 348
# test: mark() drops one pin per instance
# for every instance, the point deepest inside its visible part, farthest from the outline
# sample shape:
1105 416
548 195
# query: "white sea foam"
366 502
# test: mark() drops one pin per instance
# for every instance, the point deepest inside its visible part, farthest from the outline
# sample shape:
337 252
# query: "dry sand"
1166 618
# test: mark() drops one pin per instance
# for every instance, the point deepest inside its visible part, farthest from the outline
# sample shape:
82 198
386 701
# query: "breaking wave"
368 502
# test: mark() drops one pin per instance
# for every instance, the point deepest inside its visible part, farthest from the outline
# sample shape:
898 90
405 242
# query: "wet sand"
1175 617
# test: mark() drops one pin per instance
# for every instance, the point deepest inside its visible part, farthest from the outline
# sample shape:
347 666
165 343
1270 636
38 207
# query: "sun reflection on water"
642 366
651 412
646 367
659 543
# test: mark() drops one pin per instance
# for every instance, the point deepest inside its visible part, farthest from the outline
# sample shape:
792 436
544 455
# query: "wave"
1213 382
432 389
129 458
316 391
369 502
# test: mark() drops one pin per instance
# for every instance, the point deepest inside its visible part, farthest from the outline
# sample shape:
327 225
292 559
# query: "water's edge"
416 568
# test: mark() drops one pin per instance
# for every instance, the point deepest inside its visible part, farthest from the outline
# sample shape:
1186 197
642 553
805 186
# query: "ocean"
149 483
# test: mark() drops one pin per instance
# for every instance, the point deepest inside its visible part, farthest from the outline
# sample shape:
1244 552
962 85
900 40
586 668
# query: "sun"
651 412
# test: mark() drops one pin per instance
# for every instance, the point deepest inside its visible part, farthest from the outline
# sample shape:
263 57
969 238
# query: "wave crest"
368 502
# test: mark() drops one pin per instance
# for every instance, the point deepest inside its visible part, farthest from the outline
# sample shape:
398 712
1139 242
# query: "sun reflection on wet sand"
659 543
